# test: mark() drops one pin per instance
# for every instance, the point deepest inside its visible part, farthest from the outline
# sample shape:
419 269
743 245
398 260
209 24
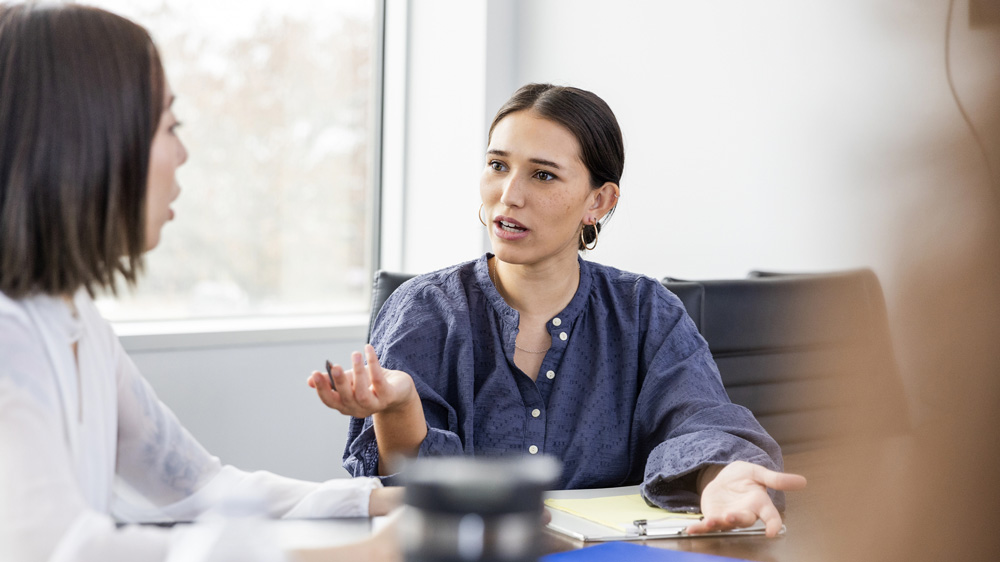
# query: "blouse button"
550 375
556 322
533 450
536 412
563 336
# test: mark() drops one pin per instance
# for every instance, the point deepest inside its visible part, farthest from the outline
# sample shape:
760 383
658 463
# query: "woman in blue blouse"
534 350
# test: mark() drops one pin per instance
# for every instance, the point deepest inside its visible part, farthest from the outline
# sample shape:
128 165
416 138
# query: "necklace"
546 350
493 278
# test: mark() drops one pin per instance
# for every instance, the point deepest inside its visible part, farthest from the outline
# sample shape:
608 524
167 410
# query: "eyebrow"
539 161
171 102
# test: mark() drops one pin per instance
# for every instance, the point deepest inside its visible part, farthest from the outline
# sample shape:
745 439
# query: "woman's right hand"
364 390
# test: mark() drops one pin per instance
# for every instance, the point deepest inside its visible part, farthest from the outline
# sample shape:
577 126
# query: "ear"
603 199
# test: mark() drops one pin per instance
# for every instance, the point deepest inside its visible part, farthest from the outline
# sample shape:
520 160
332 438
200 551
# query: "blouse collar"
566 317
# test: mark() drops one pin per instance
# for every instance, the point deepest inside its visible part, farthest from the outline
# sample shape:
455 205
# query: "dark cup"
484 509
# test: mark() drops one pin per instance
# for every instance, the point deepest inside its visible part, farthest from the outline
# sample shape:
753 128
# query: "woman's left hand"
737 497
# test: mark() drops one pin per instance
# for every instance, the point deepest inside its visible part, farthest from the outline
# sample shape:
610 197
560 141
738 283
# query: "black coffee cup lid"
483 485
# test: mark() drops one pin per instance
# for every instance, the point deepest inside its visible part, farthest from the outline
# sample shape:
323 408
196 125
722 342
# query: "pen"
329 373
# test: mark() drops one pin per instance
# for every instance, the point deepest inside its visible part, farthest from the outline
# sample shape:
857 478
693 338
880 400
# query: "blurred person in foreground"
933 494
88 155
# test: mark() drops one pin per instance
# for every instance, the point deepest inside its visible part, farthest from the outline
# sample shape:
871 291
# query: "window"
278 109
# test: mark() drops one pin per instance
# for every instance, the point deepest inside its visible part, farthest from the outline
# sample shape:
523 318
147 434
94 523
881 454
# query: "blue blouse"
627 393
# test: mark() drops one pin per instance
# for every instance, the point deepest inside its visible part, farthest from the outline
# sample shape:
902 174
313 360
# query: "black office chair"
809 354
384 284
692 295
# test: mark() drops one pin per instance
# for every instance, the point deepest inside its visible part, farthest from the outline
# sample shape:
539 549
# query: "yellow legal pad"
616 512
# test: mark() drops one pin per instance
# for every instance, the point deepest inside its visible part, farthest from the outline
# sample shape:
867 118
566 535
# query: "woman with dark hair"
88 155
532 349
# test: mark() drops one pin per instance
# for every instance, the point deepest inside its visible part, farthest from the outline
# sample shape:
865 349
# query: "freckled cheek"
564 209
569 215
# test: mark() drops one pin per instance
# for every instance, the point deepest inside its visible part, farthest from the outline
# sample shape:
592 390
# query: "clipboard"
620 514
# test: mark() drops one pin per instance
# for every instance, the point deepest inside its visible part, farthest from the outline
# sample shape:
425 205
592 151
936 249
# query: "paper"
609 514
619 512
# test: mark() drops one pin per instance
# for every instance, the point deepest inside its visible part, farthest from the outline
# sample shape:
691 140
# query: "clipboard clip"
665 527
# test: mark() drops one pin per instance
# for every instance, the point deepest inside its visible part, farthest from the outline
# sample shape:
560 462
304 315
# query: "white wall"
781 135
768 135
759 134
445 87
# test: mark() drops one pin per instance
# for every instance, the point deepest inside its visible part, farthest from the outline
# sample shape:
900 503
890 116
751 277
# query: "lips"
509 229
509 224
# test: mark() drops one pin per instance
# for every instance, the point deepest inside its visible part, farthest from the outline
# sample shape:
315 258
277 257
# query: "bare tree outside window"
275 215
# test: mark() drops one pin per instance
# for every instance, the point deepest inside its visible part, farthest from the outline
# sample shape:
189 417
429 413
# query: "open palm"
737 497
365 389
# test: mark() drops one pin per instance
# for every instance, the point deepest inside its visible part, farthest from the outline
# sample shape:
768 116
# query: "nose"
182 153
512 194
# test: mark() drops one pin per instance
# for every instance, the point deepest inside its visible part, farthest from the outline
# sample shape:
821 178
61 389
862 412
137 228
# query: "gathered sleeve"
159 458
684 417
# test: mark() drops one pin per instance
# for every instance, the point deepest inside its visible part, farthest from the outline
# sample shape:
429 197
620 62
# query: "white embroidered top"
82 437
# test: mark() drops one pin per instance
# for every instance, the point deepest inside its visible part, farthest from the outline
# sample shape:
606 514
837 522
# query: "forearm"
399 432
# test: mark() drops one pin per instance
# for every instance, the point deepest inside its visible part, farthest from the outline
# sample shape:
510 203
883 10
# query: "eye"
497 166
544 176
173 128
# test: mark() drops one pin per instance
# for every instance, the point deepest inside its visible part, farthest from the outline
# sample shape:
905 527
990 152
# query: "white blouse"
80 436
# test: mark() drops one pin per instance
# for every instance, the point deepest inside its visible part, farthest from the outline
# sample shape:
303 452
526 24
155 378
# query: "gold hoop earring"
583 240
481 215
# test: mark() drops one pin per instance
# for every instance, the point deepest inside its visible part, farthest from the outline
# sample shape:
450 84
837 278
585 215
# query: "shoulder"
625 288
22 351
641 305
658 318
412 329
442 289
19 323
428 303
13 314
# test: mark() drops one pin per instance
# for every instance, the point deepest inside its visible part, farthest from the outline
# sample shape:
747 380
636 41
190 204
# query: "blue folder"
632 552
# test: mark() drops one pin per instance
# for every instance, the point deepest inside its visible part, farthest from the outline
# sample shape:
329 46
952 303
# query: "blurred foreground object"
934 495
466 508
